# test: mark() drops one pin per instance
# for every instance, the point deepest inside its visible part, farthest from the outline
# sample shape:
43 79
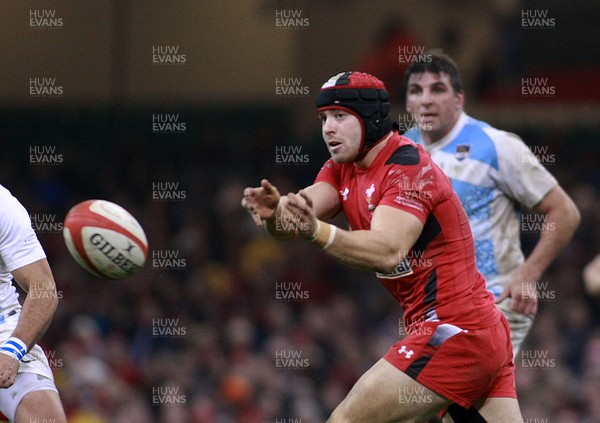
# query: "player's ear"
460 99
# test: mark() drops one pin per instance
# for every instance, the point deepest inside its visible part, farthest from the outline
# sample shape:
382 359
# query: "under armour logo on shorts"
407 353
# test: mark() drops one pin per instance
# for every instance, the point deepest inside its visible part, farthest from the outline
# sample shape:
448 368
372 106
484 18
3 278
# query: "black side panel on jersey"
431 288
405 155
431 229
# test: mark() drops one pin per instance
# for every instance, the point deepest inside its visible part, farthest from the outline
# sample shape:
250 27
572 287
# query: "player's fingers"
5 381
300 212
522 308
290 202
251 211
248 191
505 294
534 309
308 200
530 306
299 203
527 310
519 307
248 205
268 186
294 207
527 305
254 215
528 299
293 199
517 304
256 219
9 382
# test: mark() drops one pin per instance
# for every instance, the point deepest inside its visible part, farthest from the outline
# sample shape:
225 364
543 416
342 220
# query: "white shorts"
34 372
520 324
25 383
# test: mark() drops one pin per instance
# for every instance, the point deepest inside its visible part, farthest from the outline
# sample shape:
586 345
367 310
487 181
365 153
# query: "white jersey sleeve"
19 245
520 175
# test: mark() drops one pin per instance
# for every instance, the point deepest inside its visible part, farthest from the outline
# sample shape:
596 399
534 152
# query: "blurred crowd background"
232 326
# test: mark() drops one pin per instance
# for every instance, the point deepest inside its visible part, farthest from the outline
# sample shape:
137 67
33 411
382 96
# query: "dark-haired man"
494 173
409 227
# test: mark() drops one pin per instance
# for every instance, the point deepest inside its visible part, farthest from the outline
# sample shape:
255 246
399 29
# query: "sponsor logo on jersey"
462 151
403 269
407 353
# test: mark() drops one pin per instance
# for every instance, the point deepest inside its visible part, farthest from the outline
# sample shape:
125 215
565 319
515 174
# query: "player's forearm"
38 309
560 225
365 249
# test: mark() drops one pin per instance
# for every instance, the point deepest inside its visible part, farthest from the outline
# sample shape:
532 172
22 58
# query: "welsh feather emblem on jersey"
462 151
345 193
369 191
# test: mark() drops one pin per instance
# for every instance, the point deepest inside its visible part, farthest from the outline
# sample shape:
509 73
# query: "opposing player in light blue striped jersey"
494 174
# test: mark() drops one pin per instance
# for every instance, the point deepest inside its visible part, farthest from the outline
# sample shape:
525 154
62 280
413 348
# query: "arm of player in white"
40 302
381 248
561 220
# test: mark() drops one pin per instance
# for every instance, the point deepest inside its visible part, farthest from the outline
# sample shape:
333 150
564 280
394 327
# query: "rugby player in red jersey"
400 206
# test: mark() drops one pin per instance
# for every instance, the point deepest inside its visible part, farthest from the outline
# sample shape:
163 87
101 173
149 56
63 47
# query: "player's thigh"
386 394
42 405
499 410
490 410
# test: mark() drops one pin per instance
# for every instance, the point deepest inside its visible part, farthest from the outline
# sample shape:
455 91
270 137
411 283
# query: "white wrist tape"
324 235
316 232
331 237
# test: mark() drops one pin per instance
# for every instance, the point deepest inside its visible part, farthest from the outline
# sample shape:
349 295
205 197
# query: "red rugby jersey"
438 280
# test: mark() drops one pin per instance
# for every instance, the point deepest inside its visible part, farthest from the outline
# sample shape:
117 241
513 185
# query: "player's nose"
426 97
328 124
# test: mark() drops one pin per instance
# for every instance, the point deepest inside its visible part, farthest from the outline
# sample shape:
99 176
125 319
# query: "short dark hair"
436 62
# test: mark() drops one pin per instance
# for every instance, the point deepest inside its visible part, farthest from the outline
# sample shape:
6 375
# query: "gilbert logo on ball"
105 239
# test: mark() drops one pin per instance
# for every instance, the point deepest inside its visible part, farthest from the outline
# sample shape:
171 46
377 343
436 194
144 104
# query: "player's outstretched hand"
300 206
261 202
8 370
523 294
591 276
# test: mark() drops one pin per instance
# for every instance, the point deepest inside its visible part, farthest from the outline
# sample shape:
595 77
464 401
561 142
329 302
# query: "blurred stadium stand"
107 359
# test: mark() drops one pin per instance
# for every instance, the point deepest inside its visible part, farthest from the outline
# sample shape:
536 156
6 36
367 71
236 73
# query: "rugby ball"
105 239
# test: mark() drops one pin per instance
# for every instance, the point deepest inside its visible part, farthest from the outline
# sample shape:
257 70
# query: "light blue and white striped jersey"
492 172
